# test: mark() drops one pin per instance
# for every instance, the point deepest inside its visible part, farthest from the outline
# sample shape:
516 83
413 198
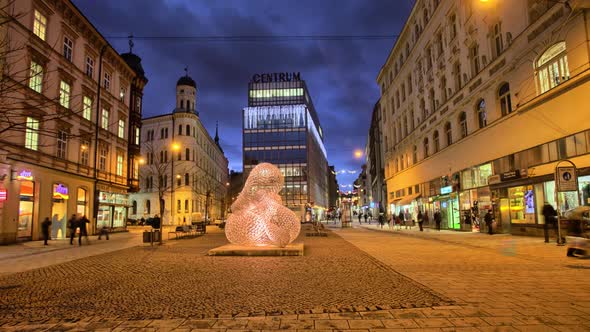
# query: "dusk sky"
341 75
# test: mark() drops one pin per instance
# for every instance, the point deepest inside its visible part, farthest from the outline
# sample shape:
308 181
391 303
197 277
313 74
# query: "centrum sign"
276 77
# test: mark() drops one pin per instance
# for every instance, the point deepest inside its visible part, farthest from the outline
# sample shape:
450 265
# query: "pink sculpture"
258 215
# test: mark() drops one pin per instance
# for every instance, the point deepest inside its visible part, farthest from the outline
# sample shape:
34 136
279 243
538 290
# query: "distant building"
71 115
479 103
281 127
236 184
376 186
184 167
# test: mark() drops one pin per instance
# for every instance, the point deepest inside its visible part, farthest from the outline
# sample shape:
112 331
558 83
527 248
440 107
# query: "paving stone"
331 324
230 324
376 314
467 321
365 324
535 328
399 323
346 315
433 322
265 324
198 323
300 324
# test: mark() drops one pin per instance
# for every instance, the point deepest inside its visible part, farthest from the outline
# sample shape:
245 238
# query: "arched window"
463 124
186 179
405 126
426 147
415 155
187 154
425 15
188 130
504 96
423 109
148 206
179 129
449 133
552 67
186 205
182 103
482 115
432 101
134 207
443 88
436 141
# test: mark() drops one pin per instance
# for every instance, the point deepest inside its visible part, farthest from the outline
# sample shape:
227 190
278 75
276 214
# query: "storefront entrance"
59 211
25 210
449 210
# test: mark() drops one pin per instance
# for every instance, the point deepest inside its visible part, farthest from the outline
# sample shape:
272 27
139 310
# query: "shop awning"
408 200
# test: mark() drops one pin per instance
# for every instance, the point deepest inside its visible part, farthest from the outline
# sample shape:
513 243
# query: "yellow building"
70 109
479 101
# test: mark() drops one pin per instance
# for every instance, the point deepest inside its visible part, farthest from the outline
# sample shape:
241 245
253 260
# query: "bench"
183 232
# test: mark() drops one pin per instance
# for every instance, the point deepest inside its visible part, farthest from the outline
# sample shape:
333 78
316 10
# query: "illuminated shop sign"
3 194
25 175
446 190
276 77
60 191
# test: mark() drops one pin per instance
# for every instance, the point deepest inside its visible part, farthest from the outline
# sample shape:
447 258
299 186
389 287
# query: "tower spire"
216 132
131 43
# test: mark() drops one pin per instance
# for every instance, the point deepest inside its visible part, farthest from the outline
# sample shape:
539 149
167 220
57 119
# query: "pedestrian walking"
420 220
370 216
549 213
72 226
437 219
426 218
45 229
489 220
104 231
83 232
366 216
400 220
360 215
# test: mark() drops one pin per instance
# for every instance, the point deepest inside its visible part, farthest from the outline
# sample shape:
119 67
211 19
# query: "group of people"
367 215
76 223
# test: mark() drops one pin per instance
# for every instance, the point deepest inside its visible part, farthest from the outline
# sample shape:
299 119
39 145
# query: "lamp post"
175 148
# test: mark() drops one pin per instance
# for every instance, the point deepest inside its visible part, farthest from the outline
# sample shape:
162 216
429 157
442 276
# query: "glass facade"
281 127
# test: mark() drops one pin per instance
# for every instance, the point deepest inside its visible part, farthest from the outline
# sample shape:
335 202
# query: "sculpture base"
293 249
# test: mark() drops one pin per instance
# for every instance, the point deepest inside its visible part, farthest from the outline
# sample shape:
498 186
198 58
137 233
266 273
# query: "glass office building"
281 127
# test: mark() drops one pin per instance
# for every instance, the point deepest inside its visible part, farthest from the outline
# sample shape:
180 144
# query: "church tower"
186 95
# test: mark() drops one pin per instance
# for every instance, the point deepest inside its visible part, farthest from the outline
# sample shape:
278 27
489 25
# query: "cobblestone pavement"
499 283
181 281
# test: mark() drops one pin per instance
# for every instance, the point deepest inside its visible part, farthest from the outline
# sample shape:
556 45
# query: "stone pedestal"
293 249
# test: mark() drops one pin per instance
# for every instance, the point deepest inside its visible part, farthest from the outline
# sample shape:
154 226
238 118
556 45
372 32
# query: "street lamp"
175 148
358 154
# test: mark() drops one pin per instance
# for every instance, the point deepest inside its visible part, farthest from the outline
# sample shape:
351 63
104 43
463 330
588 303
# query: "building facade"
184 175
69 127
479 102
376 187
333 188
281 127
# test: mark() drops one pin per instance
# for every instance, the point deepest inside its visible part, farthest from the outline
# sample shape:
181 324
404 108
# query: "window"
64 94
432 101
102 160
89 67
457 76
120 163
482 116
180 130
505 102
443 88
410 84
32 134
188 130
40 25
426 147
186 179
87 108
148 206
178 205
178 180
453 26
134 207
403 88
436 141
449 133
137 133
405 126
474 57
81 201
463 124
423 109
412 124
84 152
62 139
122 93
498 44
105 119
36 79
186 205
415 155
68 48
107 81
187 153
552 67
121 131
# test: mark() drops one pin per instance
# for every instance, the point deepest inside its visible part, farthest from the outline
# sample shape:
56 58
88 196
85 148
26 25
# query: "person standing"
72 225
45 229
420 220
360 215
549 213
83 232
437 219
489 220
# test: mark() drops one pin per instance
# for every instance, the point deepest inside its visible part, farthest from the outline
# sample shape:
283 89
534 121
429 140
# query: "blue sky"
341 75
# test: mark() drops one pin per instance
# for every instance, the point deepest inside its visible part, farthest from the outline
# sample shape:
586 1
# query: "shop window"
26 208
81 201
482 116
522 205
32 134
505 102
552 68
59 210
463 124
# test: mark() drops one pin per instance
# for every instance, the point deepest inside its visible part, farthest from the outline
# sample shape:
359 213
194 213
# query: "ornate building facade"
479 101
184 176
69 125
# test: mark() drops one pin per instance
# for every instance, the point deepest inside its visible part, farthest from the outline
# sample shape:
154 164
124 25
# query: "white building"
70 111
183 166
479 101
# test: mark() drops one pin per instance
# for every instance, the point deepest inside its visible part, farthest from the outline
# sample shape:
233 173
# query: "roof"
186 80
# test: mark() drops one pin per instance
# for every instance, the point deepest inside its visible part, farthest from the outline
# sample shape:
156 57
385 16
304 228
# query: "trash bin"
147 237
157 235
